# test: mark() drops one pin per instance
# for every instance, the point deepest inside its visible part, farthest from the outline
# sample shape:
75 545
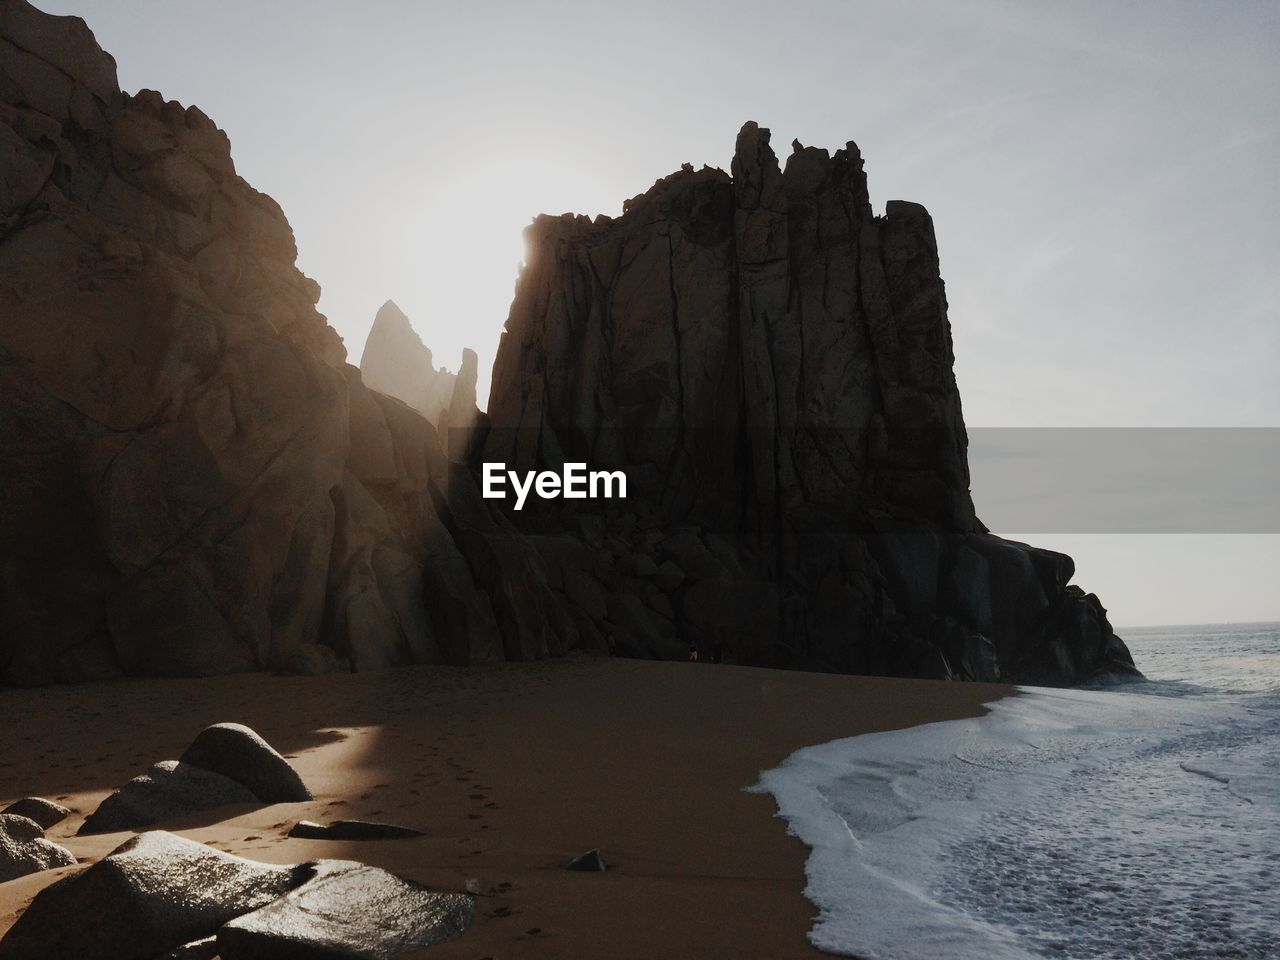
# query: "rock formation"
24 848
159 892
44 812
226 764
396 362
195 481
771 365
351 830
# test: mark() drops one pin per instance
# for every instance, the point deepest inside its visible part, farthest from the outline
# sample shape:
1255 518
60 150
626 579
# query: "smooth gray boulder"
42 811
237 752
351 830
347 910
169 789
24 849
150 895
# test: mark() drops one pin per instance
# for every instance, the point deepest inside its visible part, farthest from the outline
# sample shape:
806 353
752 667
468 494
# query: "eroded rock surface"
770 362
24 849
195 480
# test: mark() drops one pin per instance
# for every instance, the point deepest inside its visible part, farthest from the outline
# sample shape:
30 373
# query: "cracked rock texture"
771 364
195 481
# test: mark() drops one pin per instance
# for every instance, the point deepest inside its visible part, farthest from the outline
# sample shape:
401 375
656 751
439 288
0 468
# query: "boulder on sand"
42 811
351 830
24 849
169 789
226 763
235 751
156 892
163 896
347 909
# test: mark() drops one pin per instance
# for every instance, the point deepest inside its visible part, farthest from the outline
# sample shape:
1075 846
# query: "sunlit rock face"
194 479
396 362
771 364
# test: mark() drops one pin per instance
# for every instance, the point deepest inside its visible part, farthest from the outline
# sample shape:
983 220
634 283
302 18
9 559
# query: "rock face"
771 365
163 895
195 481
24 849
396 362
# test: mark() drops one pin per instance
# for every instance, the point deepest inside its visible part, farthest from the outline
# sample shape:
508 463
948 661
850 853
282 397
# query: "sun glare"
467 237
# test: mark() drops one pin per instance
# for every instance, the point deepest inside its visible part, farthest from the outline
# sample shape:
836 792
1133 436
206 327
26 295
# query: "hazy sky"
1102 177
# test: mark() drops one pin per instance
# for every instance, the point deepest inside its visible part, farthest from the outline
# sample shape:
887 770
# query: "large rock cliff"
771 365
194 480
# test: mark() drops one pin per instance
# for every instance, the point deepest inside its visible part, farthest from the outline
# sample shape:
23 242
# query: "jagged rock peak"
390 316
396 362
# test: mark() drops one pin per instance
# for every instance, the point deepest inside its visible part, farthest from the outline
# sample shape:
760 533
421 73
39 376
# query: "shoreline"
511 770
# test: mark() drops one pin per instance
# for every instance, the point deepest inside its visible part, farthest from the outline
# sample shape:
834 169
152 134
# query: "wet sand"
511 771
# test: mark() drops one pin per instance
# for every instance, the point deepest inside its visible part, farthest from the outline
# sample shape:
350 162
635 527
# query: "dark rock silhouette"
589 862
195 481
771 365
351 830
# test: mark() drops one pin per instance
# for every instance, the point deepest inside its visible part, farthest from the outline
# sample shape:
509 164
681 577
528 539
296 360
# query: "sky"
1101 177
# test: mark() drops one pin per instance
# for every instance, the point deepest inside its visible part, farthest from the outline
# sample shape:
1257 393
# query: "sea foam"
1075 824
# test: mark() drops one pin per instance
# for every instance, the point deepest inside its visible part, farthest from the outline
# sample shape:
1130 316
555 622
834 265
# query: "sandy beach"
510 770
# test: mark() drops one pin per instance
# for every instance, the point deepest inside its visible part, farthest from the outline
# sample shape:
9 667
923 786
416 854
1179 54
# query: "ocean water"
1136 821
